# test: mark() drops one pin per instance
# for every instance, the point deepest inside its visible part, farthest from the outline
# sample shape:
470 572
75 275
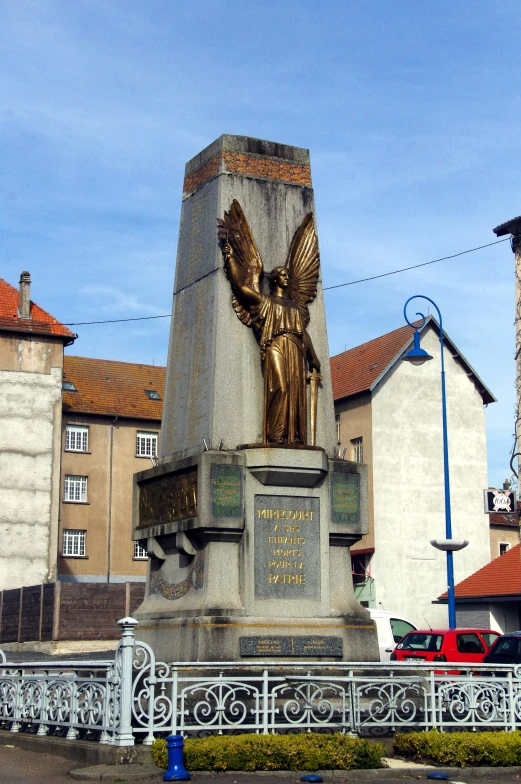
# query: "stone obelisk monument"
249 516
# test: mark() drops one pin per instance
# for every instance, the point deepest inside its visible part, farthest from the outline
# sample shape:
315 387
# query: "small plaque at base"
291 646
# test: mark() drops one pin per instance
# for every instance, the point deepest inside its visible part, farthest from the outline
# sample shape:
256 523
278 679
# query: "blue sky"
410 111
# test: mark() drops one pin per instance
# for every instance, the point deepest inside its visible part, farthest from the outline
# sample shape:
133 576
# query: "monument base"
258 564
213 638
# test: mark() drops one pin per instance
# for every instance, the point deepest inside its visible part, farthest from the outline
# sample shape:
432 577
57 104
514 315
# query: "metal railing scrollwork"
136 697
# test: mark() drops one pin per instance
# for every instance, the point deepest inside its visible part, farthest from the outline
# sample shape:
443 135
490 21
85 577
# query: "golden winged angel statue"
279 320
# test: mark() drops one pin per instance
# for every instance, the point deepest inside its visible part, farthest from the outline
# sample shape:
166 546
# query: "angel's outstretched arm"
244 293
313 360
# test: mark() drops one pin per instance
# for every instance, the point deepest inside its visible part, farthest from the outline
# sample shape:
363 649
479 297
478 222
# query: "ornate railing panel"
356 698
136 697
72 698
62 696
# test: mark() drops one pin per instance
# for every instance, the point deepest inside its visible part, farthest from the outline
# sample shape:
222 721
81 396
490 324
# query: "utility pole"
513 227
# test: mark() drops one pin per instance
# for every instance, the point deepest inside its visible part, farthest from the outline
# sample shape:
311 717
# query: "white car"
390 629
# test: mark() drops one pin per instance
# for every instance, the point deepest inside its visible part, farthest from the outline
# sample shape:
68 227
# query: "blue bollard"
176 766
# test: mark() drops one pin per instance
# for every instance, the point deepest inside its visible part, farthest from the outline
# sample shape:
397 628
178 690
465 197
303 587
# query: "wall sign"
345 497
287 547
499 501
226 490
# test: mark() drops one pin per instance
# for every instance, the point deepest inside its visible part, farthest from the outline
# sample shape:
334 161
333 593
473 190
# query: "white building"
389 416
31 366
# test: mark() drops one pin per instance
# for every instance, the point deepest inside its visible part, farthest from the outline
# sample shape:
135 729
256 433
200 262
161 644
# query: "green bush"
308 751
491 749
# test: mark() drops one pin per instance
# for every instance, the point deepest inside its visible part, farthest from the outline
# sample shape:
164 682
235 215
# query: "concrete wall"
475 616
30 423
500 616
409 488
30 416
109 558
505 616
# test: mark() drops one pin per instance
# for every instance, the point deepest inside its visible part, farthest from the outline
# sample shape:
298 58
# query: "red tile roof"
113 388
359 369
500 577
504 519
40 322
356 370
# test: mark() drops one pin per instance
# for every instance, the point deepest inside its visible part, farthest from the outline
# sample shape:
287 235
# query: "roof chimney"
24 301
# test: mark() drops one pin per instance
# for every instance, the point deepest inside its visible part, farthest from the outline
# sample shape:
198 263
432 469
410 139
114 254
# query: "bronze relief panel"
168 498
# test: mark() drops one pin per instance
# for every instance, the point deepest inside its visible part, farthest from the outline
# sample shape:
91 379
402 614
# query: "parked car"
390 629
445 645
505 650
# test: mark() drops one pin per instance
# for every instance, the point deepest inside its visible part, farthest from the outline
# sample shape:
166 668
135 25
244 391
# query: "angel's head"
279 276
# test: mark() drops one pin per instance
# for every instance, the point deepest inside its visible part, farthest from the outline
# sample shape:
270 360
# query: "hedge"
491 749
274 752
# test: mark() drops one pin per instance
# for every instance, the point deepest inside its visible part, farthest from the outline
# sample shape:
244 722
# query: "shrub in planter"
308 751
491 749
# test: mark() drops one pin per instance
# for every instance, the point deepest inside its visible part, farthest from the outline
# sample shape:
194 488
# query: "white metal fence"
135 697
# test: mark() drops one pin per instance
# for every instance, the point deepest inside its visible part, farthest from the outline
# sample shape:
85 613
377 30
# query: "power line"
415 266
113 321
326 288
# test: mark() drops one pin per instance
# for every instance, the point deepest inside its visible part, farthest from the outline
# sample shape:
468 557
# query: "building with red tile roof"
388 416
31 367
37 322
113 388
492 594
111 424
499 578
362 368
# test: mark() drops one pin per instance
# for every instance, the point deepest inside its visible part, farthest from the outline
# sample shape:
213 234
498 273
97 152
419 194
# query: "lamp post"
417 356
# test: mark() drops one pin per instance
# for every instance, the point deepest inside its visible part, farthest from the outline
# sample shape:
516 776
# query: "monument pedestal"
261 567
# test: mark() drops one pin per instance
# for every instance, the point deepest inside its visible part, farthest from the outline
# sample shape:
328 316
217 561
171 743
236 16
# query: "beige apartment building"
110 430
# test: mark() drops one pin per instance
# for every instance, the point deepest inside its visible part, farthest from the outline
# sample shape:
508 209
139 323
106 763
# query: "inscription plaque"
226 490
287 547
345 498
291 646
168 498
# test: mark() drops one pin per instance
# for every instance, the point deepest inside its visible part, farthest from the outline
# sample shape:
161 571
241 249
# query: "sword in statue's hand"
314 379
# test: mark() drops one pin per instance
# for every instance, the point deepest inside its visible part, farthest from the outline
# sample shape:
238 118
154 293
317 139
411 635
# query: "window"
68 386
357 450
360 568
508 646
421 641
152 394
469 643
139 551
75 488
337 421
146 444
503 547
73 542
489 637
76 438
400 628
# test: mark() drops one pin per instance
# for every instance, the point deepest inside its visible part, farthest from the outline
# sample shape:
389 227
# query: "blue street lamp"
417 356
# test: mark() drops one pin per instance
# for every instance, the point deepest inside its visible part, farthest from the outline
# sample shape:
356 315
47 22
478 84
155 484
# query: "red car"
445 645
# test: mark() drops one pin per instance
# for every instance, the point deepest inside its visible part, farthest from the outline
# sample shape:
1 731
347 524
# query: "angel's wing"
303 265
235 231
